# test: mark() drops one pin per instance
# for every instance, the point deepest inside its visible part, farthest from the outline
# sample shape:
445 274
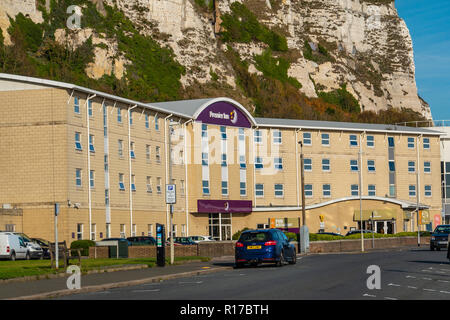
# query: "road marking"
411 277
432 290
427 279
394 285
369 295
444 291
197 282
411 287
443 281
387 298
149 290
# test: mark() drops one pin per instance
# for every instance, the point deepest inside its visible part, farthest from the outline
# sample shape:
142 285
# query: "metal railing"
425 123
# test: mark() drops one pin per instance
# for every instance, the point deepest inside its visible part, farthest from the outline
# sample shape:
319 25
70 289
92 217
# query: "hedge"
84 245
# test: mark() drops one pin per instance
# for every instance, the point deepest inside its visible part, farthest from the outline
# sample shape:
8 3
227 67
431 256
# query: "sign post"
56 235
171 199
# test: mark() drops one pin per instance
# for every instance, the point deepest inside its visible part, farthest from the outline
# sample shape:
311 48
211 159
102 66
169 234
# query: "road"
408 273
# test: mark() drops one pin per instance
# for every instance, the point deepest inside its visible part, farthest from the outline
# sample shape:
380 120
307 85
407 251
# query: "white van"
13 247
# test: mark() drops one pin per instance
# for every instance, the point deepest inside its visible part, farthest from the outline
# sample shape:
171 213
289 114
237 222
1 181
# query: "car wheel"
12 257
281 262
294 259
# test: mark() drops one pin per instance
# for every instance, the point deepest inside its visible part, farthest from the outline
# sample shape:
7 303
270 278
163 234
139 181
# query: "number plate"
253 247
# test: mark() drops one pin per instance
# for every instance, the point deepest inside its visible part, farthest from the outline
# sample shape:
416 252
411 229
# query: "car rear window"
255 237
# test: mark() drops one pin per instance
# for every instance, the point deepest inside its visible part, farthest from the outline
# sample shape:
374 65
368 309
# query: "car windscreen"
442 229
255 237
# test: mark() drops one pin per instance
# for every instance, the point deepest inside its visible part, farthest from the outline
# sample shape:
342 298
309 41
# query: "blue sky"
429 25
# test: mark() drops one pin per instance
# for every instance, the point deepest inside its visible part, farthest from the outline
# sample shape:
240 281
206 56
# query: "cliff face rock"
368 47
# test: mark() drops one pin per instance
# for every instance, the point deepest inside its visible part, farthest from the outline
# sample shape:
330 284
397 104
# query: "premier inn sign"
224 113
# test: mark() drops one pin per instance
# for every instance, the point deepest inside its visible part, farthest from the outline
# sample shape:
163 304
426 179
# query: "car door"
286 245
21 250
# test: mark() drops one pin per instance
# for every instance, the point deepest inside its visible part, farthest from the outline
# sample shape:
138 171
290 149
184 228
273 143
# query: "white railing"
425 123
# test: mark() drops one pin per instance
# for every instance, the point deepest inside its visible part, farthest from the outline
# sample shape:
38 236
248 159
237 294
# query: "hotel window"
353 140
132 154
76 105
181 157
91 143
223 132
92 179
156 123
372 191
391 166
133 230
182 187
326 190
120 148
150 230
279 190
204 131
412 190
149 184
427 167
133 184
411 166
307 138
278 163
391 142
205 187
354 165
307 164
131 116
147 122
224 160
224 188
276 136
411 143
258 163
78 141
392 190
204 159
183 230
157 155
354 190
325 139
123 232
258 136
308 190
428 191
426 143
158 185
242 163
370 141
90 108
326 165
93 231
243 188
78 177
371 165
119 115
147 153
121 184
79 231
259 190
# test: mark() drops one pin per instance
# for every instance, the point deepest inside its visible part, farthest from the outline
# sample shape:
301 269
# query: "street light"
304 234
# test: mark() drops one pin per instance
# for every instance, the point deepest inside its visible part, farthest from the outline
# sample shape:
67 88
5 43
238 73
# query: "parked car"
264 246
358 232
142 241
331 234
36 252
13 246
181 241
439 237
198 239
118 239
45 245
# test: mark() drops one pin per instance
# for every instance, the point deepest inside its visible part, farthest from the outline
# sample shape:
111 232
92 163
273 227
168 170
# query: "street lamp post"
304 234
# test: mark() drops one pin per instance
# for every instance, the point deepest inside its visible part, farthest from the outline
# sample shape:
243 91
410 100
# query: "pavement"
57 287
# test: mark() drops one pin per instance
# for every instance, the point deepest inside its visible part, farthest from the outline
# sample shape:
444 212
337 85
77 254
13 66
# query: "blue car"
264 246
439 237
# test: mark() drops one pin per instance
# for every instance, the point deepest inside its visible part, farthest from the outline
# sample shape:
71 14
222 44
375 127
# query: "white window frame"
277 139
429 192
370 143
279 190
324 190
91 143
120 148
307 167
149 184
309 143
79 177
121 183
78 145
412 192
93 231
158 185
259 190
353 141
413 166
309 193
80 226
352 190
329 165
369 166
374 190
327 140
92 178
409 143
427 168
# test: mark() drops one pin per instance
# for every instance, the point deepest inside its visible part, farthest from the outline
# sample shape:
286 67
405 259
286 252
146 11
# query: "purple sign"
224 206
224 114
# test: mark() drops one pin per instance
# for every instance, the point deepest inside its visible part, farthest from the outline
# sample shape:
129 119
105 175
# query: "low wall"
226 248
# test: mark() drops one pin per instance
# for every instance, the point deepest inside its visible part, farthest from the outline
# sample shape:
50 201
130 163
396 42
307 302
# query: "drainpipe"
255 148
167 173
186 194
418 190
89 164
129 168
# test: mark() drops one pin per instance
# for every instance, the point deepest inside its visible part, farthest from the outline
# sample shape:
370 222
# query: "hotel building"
106 161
